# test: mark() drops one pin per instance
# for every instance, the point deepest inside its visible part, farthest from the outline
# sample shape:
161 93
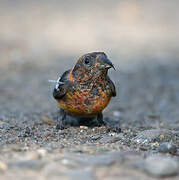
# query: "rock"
161 166
27 132
95 137
84 127
42 152
104 159
16 147
54 170
48 121
167 148
27 164
3 166
81 175
109 139
112 125
144 148
117 135
77 151
153 135
154 116
11 140
69 162
32 155
116 114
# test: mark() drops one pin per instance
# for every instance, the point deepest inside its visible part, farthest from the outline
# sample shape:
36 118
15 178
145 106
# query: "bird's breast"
85 101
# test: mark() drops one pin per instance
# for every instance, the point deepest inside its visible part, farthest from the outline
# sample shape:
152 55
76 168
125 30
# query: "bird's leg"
100 119
60 123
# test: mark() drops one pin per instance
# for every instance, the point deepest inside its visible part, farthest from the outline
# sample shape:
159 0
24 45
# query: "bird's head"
91 65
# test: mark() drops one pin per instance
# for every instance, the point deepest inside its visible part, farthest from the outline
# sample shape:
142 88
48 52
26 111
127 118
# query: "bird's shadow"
111 125
90 122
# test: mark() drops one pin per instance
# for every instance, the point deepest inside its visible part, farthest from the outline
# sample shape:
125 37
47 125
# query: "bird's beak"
106 63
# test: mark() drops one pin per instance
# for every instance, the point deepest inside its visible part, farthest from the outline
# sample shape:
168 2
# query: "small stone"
69 163
3 166
27 164
116 113
153 135
16 148
65 161
167 148
112 125
54 170
31 156
105 159
95 137
27 132
42 152
109 139
84 127
161 166
81 175
154 145
11 140
48 121
144 148
154 116
78 151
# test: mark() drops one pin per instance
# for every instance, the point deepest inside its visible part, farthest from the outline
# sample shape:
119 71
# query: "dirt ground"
146 109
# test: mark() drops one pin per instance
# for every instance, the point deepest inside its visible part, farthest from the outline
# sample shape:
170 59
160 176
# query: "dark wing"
61 89
112 86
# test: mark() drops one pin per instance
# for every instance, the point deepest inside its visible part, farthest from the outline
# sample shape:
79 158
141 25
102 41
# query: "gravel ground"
146 109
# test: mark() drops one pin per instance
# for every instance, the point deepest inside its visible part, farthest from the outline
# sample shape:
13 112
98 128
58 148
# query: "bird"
85 90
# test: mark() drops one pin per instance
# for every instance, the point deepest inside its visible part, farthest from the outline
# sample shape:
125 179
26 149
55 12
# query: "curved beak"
106 63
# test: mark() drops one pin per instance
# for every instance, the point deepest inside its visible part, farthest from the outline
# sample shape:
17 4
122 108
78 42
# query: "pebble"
11 140
48 121
153 135
95 137
54 170
69 163
116 113
27 164
109 139
167 148
84 127
16 148
27 132
104 159
154 116
77 151
161 166
31 156
81 175
42 152
3 166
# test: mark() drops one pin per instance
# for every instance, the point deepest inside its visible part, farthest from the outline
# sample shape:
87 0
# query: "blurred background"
40 39
127 30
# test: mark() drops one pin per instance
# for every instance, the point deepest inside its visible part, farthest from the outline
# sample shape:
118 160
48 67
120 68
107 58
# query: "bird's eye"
86 60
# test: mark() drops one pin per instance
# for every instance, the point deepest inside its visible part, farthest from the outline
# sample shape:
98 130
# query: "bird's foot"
60 127
60 124
99 123
113 126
